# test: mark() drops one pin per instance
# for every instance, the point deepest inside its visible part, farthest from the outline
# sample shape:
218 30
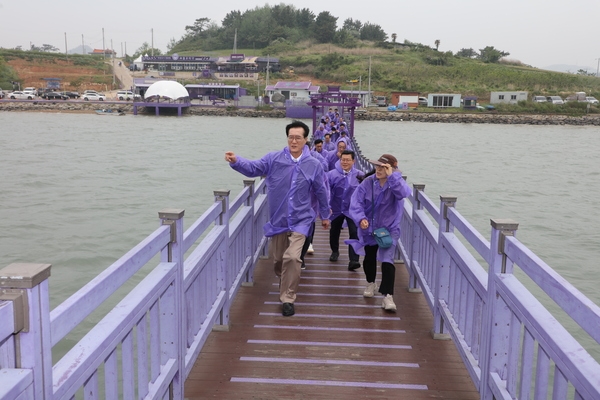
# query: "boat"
109 111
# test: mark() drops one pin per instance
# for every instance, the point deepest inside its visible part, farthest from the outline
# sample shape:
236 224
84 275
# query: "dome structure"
167 89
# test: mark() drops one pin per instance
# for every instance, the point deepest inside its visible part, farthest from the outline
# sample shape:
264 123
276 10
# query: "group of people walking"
303 185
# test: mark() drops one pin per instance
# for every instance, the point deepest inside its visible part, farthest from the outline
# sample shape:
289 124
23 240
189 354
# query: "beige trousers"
285 250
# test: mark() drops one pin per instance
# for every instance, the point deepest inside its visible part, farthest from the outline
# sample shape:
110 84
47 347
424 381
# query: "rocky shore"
395 116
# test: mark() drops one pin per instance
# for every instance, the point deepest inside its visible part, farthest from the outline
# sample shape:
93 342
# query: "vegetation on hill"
75 69
343 54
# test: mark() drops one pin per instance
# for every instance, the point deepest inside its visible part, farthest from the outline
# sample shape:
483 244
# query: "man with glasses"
343 181
292 175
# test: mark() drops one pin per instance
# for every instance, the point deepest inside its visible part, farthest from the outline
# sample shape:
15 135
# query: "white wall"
507 97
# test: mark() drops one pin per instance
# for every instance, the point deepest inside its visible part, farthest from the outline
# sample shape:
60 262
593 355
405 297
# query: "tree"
351 25
437 44
199 26
145 50
466 53
232 20
172 43
394 37
491 55
325 27
305 19
372 32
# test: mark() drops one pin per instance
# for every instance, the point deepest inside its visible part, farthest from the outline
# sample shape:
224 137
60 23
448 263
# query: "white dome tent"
167 90
165 95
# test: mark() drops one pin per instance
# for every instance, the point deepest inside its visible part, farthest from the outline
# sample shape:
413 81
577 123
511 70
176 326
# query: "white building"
300 91
507 97
443 100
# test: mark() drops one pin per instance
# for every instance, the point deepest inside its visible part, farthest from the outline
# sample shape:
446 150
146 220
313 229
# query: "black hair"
348 152
317 141
297 124
371 172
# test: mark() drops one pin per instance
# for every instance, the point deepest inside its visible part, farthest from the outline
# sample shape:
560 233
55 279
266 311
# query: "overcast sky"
536 32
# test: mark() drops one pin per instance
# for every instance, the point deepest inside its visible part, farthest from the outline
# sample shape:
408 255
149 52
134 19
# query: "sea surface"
79 190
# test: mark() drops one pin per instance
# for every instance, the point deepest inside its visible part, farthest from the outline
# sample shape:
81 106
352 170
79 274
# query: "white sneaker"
370 289
388 303
310 249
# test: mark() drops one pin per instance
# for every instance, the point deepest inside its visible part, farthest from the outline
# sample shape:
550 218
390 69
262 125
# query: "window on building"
500 97
513 96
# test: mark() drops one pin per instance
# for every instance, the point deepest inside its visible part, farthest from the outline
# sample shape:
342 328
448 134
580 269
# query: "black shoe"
334 256
303 266
287 309
353 265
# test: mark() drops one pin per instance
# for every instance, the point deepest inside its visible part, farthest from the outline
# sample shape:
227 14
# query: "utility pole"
82 45
66 51
103 45
598 68
121 49
369 79
152 45
113 61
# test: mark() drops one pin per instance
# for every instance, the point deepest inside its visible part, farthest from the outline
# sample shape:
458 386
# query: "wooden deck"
339 345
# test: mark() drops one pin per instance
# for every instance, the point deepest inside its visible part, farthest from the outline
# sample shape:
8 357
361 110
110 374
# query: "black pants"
388 270
307 241
334 235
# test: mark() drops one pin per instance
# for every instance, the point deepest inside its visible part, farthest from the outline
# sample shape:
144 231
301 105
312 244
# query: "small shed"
411 99
443 100
470 102
507 97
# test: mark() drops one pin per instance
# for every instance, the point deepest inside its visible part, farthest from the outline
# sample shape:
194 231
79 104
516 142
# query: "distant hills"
81 50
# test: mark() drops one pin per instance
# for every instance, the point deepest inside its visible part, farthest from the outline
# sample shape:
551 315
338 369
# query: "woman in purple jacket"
376 203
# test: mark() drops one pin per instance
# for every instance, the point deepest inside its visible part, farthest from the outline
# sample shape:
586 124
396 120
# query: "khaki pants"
286 249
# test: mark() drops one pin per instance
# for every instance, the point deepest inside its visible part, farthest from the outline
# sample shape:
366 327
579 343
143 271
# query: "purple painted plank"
330 383
90 388
328 286
298 303
331 295
332 316
111 376
332 344
330 362
318 328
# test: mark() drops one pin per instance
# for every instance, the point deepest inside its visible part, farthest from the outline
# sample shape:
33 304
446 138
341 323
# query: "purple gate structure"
144 347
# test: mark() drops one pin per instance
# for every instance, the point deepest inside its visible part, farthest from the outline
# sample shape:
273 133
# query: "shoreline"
395 116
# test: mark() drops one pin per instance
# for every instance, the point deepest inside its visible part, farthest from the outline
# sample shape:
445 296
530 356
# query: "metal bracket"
20 307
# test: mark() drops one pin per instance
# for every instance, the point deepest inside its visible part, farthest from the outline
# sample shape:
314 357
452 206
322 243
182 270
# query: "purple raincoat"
387 214
289 186
342 185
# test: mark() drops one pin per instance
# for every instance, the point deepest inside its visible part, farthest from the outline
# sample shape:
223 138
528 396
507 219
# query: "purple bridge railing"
511 344
158 328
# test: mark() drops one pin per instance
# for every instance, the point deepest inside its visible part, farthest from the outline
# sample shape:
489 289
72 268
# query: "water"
80 190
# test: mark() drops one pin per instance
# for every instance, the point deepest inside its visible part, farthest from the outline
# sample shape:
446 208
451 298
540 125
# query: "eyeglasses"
295 138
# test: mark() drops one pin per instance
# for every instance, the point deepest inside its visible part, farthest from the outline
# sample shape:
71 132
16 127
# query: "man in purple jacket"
292 175
376 204
343 181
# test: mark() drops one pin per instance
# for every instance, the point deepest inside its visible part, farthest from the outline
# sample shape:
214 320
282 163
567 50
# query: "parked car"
72 95
93 96
127 95
591 100
31 90
381 101
539 99
21 95
89 91
423 101
555 100
1 94
54 96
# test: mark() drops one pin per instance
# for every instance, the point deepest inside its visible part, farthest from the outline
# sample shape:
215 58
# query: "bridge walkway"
339 345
